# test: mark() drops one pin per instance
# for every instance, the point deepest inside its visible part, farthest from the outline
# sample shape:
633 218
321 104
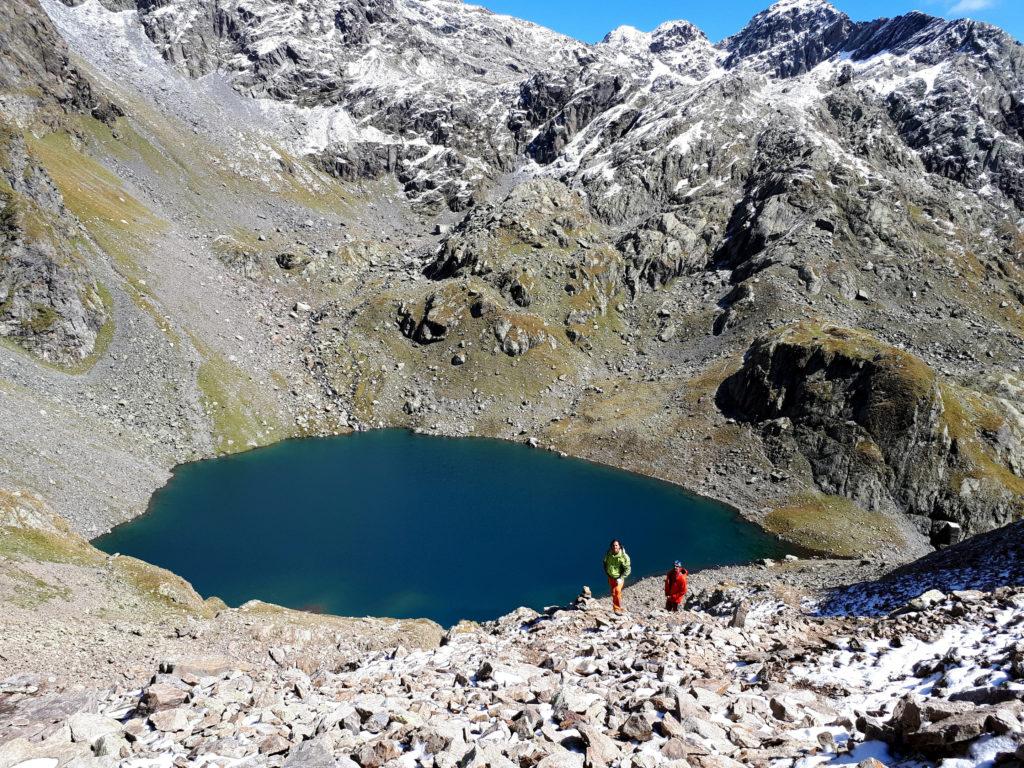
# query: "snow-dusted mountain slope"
785 268
449 96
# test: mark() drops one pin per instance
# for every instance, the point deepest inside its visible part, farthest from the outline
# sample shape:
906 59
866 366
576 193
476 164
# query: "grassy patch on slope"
161 586
118 223
29 531
24 590
832 525
239 411
46 546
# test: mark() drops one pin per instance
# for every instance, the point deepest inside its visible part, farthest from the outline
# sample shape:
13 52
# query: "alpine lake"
391 523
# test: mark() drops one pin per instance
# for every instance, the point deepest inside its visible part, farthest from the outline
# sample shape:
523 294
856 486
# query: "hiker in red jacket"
675 586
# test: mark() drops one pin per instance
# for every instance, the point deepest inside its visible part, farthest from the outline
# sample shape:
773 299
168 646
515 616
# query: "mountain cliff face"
314 217
49 300
35 71
482 91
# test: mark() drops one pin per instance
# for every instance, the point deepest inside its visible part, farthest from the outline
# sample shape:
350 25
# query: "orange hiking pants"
616 593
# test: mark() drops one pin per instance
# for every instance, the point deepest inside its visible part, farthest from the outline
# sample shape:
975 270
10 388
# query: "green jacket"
616 566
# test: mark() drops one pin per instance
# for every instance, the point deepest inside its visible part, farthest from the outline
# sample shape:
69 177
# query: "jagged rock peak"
927 38
668 36
672 35
800 7
626 36
789 38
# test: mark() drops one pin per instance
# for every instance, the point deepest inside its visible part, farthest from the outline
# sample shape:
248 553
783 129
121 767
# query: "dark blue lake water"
389 523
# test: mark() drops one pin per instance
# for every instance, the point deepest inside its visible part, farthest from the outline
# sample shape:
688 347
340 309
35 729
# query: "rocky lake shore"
764 666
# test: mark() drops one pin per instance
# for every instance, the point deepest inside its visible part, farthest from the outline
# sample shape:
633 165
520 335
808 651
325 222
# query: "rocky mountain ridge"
511 89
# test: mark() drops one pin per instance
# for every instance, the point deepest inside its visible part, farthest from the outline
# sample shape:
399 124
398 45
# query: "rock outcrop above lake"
877 425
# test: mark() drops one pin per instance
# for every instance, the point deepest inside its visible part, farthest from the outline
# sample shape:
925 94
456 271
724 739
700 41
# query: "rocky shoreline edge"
796 661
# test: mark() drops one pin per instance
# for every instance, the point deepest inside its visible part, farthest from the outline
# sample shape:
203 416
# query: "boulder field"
792 663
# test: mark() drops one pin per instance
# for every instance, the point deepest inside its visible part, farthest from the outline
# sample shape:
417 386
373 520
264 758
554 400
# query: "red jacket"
675 585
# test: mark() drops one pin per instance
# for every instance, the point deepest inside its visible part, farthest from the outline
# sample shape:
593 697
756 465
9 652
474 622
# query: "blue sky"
590 19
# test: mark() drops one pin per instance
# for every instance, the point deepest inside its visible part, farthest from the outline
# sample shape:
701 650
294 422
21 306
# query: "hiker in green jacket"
616 568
